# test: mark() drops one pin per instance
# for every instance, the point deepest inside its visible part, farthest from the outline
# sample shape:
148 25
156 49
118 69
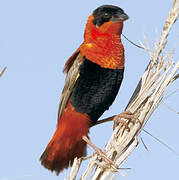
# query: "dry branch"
159 74
2 72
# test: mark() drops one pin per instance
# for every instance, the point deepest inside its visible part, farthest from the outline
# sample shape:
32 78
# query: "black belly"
95 89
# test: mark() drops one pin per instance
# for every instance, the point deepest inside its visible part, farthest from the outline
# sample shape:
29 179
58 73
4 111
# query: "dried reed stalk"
159 74
2 72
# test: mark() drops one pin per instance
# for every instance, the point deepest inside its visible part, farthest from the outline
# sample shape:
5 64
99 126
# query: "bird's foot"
126 115
99 152
105 158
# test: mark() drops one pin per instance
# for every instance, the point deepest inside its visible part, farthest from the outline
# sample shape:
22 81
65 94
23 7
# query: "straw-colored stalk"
2 72
159 74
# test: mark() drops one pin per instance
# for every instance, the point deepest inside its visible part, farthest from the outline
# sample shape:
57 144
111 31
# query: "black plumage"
95 89
106 13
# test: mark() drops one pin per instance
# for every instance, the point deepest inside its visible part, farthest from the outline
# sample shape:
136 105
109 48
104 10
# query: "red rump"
66 143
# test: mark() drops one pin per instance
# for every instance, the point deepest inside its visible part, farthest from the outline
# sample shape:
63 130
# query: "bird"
94 74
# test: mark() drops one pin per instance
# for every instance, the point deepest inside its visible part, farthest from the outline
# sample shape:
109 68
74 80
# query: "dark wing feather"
72 69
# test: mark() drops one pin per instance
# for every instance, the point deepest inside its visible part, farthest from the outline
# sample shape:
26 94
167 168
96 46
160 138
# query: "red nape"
66 143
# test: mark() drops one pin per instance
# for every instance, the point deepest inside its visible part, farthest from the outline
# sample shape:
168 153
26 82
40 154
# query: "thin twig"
166 97
2 72
171 109
146 148
161 142
133 42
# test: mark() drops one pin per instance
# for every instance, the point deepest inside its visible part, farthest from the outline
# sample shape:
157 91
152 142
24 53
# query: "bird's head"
108 13
106 19
102 43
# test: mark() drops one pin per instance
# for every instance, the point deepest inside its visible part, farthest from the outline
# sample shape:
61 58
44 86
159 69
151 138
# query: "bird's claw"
105 158
126 115
99 152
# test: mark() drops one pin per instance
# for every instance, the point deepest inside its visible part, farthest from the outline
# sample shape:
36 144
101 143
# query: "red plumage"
67 142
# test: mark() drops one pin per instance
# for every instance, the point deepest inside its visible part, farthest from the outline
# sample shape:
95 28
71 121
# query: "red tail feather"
67 143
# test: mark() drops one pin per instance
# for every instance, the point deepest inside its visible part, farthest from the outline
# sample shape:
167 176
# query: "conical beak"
120 17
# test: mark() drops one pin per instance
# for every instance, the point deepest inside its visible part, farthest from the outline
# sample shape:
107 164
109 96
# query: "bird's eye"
106 14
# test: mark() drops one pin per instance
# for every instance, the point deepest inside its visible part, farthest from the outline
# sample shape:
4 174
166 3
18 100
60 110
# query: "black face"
106 13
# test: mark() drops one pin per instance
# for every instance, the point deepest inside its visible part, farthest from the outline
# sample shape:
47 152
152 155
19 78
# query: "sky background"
36 38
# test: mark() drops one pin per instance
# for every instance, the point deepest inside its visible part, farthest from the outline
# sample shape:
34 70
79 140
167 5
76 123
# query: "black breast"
95 89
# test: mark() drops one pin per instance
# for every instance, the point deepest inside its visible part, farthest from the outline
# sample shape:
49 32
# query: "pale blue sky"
36 38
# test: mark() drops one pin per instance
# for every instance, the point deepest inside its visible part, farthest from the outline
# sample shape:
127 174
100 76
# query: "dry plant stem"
121 143
75 168
2 72
158 75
